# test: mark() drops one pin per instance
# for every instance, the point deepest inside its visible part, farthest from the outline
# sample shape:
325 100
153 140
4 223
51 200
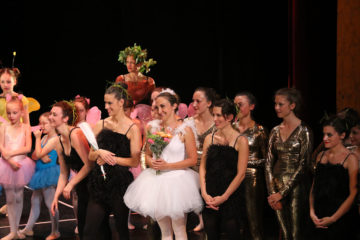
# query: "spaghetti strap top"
73 160
212 139
342 164
126 131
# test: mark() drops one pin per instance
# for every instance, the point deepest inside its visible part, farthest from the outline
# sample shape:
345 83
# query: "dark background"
65 48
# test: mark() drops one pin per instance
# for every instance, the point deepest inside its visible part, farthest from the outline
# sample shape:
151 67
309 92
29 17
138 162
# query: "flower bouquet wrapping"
157 142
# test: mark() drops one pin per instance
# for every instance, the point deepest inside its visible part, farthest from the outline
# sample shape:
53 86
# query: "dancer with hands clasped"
15 167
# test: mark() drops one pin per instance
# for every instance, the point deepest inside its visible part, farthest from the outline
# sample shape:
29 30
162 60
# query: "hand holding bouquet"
158 141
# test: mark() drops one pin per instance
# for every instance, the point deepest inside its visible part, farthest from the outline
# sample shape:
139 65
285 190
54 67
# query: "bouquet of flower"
158 141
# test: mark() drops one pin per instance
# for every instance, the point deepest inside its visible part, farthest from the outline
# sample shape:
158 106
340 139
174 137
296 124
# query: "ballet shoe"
145 227
3 210
130 226
53 236
76 231
198 228
26 232
13 235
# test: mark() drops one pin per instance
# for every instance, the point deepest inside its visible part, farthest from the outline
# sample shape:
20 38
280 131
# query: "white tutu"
170 193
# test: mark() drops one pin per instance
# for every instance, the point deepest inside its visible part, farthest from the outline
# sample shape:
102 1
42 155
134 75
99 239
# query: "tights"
14 201
168 226
214 221
97 220
48 194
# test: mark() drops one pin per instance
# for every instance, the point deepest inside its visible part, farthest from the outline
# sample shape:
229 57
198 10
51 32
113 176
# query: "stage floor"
67 223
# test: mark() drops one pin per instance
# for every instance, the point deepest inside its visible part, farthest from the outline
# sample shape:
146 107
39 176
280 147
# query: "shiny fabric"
254 182
287 172
201 139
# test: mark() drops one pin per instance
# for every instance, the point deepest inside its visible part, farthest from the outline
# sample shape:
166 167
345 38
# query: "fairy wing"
191 110
182 110
34 105
93 115
86 129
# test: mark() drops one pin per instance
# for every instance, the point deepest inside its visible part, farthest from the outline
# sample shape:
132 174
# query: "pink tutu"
19 178
136 170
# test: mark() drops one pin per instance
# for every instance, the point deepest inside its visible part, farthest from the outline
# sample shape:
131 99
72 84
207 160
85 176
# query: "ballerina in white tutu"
168 190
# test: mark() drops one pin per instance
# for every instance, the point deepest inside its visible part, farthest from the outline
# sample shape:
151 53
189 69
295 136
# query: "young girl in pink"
15 167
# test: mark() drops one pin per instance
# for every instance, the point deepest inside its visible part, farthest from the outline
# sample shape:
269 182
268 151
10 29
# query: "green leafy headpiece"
140 56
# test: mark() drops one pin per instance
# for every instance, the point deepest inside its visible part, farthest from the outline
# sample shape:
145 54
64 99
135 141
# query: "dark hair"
82 100
350 115
67 111
210 94
227 107
293 96
251 98
338 124
119 90
172 98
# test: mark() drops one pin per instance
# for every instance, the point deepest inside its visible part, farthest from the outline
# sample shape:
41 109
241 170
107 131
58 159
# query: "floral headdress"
118 85
139 55
73 108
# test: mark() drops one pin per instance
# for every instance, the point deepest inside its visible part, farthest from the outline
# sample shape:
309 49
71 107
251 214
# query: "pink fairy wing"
182 110
35 128
143 112
191 110
93 115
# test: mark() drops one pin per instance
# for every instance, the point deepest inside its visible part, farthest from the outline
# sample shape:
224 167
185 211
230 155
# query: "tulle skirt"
168 194
19 178
45 177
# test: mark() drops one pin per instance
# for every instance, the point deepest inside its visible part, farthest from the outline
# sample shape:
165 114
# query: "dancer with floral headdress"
139 85
73 150
168 190
119 143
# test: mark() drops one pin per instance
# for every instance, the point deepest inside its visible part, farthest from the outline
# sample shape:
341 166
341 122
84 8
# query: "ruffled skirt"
45 177
168 194
19 178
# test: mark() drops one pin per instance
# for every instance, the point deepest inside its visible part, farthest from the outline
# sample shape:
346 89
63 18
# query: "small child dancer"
44 181
15 167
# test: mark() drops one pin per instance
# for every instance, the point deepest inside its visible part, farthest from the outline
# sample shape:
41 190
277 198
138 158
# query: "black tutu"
118 177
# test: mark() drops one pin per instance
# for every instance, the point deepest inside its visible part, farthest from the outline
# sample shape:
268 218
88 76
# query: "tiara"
168 90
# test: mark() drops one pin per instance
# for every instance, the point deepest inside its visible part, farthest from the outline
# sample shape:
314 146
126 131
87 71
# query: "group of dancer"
217 162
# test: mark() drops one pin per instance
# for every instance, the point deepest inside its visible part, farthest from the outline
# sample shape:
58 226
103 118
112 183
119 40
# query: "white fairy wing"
86 129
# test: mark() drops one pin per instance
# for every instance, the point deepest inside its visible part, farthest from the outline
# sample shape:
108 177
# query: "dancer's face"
45 124
131 64
244 106
331 137
57 117
81 111
220 120
283 107
355 136
165 110
7 83
200 102
14 112
112 105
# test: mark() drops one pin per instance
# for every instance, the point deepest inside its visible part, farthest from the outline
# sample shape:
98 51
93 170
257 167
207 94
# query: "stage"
67 223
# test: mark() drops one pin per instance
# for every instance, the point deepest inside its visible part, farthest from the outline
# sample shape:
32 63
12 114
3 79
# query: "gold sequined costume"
287 173
254 182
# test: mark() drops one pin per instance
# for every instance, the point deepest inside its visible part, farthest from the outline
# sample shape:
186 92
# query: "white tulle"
171 193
